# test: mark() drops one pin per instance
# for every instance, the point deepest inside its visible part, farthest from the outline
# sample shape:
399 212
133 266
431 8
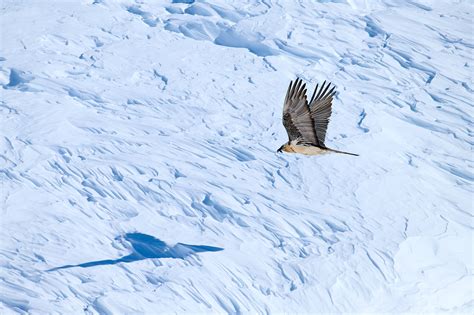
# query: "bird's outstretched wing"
297 116
320 108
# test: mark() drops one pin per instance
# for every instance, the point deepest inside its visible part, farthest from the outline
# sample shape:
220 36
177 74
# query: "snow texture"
139 171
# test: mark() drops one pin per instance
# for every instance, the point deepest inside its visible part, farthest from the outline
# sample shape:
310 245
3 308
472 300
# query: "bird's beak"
279 150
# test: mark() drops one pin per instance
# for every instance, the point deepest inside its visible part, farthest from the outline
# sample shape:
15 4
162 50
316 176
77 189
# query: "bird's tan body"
303 149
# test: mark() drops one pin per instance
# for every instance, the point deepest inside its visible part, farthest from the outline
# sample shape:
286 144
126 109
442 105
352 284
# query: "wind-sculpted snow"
132 129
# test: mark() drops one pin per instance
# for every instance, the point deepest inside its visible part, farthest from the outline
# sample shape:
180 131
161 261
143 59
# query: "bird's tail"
337 151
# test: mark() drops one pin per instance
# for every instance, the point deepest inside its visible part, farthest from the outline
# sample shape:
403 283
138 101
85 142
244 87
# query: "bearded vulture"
306 124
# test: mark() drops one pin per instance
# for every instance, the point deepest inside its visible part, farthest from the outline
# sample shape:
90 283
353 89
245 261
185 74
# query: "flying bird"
306 124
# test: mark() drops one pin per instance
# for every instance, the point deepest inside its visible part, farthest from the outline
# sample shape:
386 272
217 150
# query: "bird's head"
283 148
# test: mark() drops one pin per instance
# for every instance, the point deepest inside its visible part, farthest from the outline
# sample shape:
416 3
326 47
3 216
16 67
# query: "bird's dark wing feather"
296 114
320 108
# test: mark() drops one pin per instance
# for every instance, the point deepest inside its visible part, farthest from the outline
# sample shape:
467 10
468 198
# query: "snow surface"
139 169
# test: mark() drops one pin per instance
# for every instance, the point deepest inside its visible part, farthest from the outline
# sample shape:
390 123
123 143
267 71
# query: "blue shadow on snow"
146 246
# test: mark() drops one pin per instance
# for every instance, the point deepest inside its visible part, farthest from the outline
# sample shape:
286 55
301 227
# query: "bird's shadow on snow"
146 246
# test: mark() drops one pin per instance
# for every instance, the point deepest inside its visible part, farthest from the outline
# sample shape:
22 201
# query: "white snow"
163 119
